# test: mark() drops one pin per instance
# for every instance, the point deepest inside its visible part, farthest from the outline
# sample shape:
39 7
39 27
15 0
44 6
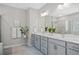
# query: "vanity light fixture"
44 13
65 5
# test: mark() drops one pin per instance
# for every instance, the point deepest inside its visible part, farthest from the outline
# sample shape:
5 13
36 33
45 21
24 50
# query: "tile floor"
22 50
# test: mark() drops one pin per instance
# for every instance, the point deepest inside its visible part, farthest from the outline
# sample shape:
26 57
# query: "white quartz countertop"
65 37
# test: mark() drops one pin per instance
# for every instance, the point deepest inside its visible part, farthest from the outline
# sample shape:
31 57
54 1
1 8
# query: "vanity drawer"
43 38
38 37
73 46
33 35
44 43
59 42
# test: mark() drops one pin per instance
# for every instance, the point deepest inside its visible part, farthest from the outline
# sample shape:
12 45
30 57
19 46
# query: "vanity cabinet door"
72 48
44 45
51 49
72 52
37 41
44 50
33 39
54 49
1 49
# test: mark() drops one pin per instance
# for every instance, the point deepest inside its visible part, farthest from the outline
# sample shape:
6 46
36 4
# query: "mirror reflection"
68 24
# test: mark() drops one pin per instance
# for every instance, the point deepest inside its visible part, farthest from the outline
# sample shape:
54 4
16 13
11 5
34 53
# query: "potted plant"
24 30
51 29
54 29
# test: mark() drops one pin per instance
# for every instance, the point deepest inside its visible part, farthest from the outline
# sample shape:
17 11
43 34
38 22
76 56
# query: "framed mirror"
68 24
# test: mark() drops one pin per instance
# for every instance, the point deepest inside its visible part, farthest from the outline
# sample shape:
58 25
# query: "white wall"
8 16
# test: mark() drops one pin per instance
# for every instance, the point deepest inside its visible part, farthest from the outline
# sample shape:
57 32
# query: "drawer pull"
75 47
55 47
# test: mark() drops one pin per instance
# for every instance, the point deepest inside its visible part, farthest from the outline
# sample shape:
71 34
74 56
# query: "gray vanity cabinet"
1 49
52 46
44 44
72 48
38 41
33 39
56 47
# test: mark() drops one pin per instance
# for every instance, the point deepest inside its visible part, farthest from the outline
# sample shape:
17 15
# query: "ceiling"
25 5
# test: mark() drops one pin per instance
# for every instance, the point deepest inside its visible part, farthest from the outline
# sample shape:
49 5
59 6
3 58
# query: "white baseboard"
15 45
